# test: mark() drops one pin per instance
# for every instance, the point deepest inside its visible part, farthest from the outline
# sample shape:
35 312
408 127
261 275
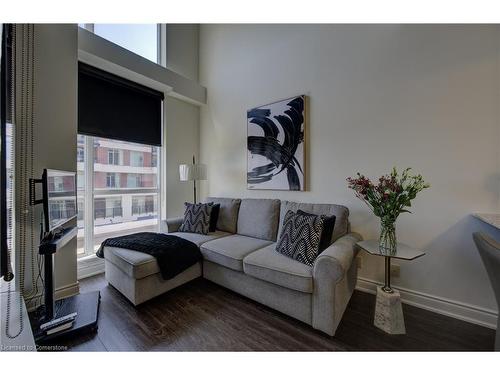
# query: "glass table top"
490 218
402 251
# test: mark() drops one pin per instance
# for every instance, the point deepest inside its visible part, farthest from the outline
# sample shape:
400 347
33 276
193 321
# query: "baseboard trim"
89 266
90 273
455 309
67 291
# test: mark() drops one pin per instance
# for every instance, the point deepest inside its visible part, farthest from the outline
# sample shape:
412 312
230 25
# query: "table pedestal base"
389 312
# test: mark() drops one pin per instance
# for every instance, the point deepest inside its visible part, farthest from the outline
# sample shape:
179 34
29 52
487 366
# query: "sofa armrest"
335 260
334 279
171 225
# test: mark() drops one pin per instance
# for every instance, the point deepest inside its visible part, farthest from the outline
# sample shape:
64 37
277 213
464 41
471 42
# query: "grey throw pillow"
300 237
196 218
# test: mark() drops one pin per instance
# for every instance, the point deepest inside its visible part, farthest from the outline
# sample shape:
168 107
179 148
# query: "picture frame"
276 145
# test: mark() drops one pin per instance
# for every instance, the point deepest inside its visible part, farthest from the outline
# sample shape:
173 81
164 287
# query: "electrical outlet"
395 270
359 262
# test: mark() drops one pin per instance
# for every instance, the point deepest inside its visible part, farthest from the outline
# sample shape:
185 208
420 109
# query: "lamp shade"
190 172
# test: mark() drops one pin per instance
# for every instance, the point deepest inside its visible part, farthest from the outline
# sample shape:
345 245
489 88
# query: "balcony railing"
108 212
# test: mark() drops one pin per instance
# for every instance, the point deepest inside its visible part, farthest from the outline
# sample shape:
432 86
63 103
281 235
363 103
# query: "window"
136 159
80 210
113 172
62 209
143 205
118 202
58 182
134 180
81 193
154 157
107 208
114 157
111 180
141 39
79 155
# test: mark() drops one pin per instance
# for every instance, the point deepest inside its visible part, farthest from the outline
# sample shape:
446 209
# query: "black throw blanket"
173 254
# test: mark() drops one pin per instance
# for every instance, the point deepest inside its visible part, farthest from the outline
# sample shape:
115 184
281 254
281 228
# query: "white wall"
182 118
182 49
181 143
55 129
380 95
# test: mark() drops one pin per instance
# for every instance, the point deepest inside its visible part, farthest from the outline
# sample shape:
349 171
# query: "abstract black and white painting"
275 145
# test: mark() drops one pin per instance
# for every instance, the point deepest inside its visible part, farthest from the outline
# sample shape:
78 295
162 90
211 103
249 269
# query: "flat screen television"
59 198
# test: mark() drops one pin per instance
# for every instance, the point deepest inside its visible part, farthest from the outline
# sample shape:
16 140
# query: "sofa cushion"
341 215
269 265
259 218
228 213
135 264
229 251
199 239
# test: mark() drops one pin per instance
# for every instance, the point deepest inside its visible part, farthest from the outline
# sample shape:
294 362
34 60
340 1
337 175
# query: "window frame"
161 39
111 180
89 195
114 156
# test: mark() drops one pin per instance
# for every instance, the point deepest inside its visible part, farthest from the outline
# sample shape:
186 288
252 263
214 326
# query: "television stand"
86 305
48 247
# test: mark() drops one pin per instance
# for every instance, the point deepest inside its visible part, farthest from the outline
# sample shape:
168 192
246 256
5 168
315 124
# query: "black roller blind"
113 107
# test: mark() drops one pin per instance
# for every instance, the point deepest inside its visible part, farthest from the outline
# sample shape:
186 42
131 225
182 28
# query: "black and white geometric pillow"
326 233
300 237
196 218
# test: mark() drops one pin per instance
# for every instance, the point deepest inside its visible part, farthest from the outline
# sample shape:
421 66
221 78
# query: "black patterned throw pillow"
196 218
300 237
326 234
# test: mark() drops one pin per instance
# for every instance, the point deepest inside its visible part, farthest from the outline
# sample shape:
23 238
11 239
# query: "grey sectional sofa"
240 256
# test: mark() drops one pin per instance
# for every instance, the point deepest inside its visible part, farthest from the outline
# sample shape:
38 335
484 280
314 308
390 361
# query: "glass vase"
387 240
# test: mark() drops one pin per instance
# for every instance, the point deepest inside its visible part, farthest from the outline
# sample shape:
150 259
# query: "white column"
127 207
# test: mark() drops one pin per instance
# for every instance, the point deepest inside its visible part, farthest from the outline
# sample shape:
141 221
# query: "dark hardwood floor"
202 316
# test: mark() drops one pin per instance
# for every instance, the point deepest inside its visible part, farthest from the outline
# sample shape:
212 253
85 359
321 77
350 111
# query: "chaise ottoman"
137 275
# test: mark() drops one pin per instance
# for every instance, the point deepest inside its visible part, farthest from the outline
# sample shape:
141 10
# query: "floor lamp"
193 172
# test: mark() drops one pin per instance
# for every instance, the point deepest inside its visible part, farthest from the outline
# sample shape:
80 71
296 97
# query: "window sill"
89 266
